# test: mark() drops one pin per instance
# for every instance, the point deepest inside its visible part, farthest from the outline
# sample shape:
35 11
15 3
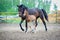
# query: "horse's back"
32 11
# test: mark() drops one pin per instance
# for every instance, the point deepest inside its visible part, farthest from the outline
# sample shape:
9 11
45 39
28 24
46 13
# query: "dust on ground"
13 32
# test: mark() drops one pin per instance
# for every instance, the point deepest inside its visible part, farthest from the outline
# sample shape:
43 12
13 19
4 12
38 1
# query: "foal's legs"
21 25
36 23
43 22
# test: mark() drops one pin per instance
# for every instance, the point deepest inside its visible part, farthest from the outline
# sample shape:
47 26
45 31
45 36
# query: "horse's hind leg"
43 22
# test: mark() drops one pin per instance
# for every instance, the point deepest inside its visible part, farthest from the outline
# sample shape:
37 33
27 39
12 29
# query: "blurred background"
9 10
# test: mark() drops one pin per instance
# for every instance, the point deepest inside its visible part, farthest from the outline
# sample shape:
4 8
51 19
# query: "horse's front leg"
21 25
26 25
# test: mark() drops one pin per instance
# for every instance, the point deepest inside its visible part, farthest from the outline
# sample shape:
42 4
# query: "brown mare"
33 14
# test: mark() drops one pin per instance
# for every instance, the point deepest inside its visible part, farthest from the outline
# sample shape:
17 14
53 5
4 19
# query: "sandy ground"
13 32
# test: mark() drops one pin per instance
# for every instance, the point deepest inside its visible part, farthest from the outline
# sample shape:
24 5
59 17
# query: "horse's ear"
17 5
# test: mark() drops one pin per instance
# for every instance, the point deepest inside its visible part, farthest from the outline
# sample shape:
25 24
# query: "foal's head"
21 9
26 13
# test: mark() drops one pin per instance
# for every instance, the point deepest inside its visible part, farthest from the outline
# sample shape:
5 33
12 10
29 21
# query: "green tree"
11 5
46 5
55 8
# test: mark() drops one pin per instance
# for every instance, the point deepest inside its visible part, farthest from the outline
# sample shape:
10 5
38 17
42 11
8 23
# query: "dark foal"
38 13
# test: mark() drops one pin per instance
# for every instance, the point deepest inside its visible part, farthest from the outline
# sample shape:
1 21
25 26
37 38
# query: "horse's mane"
23 6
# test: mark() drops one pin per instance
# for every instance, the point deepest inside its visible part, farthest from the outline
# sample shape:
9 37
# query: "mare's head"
21 9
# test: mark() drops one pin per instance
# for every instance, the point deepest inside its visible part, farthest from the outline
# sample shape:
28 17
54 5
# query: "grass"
11 20
8 13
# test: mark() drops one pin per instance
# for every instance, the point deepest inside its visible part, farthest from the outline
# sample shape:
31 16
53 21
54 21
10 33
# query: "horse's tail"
45 14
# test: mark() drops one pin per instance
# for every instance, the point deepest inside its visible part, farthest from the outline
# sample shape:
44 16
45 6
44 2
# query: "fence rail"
16 18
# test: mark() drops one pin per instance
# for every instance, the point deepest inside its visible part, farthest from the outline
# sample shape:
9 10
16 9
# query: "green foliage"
5 5
44 4
55 7
11 5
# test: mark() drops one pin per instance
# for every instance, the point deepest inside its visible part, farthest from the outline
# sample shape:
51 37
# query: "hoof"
22 29
25 31
32 31
46 29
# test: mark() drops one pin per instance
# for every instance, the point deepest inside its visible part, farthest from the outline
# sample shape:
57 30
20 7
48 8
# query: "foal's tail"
45 14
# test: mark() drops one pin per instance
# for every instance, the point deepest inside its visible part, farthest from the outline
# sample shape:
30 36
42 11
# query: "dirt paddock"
13 32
